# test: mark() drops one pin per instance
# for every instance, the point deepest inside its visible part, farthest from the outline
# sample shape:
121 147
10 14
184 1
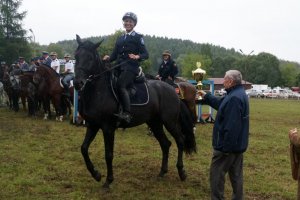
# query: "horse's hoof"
182 175
106 186
97 176
162 173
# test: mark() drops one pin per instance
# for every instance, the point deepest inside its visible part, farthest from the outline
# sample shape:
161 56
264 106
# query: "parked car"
254 93
221 92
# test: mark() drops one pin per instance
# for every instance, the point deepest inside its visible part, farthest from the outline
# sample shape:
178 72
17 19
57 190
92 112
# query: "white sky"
271 26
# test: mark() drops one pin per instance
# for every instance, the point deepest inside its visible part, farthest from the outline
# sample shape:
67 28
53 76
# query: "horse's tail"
187 127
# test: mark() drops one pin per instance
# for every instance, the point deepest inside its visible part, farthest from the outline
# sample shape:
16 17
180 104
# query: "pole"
33 41
246 61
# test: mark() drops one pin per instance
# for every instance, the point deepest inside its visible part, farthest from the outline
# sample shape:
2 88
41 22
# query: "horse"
12 100
98 106
48 87
187 93
27 92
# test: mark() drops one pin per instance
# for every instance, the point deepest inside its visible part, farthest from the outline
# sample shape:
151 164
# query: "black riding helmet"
130 15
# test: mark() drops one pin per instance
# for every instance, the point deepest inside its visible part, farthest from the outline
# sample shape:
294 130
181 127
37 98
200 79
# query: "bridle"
93 77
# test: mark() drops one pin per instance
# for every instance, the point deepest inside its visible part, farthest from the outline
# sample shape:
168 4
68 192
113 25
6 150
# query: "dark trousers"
124 81
221 164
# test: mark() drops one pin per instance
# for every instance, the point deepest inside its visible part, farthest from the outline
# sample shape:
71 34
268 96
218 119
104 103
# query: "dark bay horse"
48 88
98 105
27 92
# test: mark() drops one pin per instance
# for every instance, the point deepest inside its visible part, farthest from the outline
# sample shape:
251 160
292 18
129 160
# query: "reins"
95 76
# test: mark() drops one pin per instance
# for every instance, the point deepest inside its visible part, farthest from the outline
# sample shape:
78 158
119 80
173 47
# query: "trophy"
198 75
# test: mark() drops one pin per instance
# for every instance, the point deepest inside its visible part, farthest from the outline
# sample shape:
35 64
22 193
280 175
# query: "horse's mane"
48 69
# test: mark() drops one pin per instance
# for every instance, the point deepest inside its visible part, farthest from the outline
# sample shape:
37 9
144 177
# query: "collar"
228 90
129 32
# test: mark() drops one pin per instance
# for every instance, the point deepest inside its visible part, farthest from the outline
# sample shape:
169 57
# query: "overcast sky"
271 26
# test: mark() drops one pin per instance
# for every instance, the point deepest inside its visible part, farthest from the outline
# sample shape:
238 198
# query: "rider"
45 59
55 64
129 50
23 64
68 74
167 69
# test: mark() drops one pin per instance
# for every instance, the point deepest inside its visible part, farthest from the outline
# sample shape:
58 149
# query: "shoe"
124 116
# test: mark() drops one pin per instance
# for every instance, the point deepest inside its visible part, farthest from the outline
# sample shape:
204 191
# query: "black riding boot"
125 101
66 90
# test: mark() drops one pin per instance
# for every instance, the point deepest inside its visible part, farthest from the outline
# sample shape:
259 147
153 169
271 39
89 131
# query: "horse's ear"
79 41
98 44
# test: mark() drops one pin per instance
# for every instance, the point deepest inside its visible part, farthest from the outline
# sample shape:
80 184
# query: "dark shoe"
124 116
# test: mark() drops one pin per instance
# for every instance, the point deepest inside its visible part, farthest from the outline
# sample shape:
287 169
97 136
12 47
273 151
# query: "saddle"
138 92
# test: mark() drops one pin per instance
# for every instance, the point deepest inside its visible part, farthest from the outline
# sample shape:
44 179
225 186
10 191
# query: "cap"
45 53
67 56
21 57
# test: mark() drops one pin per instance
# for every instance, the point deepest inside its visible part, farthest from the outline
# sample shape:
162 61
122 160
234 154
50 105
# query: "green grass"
42 160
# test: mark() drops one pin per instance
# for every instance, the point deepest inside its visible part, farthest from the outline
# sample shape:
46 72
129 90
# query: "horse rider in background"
45 59
68 74
129 50
33 64
55 64
23 64
167 69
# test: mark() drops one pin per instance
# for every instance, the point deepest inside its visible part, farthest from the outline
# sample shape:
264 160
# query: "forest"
257 67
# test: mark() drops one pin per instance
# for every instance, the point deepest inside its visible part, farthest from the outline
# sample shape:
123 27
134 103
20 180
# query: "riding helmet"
130 15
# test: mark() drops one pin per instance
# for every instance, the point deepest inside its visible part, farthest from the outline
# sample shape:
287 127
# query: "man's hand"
201 93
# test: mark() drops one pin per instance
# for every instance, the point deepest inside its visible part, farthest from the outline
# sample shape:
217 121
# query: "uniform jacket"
133 43
167 69
231 128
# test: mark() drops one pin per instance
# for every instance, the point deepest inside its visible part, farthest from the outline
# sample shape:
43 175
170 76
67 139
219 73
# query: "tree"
13 42
289 74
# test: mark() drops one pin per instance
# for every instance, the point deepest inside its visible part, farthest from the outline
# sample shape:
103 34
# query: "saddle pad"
140 97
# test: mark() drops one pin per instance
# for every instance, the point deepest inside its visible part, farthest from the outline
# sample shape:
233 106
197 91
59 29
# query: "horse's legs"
23 99
109 138
89 137
46 106
178 136
159 134
56 100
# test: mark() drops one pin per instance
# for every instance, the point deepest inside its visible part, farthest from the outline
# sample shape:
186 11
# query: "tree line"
263 68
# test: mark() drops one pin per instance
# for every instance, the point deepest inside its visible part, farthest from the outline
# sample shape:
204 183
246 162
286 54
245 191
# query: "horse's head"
87 61
38 75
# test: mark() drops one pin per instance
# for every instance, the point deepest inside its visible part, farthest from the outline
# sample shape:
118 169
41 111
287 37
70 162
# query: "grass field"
42 160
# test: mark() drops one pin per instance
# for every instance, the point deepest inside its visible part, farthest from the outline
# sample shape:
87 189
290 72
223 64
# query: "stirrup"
124 117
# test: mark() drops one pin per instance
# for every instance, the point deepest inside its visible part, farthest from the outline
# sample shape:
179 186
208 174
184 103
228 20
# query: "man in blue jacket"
230 136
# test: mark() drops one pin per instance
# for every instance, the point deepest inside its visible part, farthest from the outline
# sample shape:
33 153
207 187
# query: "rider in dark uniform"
167 69
45 59
129 50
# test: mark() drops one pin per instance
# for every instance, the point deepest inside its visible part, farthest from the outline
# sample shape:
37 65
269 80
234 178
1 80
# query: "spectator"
230 136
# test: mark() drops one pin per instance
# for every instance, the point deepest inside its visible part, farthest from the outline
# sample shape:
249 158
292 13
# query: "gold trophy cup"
198 75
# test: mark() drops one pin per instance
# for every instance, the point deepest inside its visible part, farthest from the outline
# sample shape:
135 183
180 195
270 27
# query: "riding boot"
66 90
125 101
